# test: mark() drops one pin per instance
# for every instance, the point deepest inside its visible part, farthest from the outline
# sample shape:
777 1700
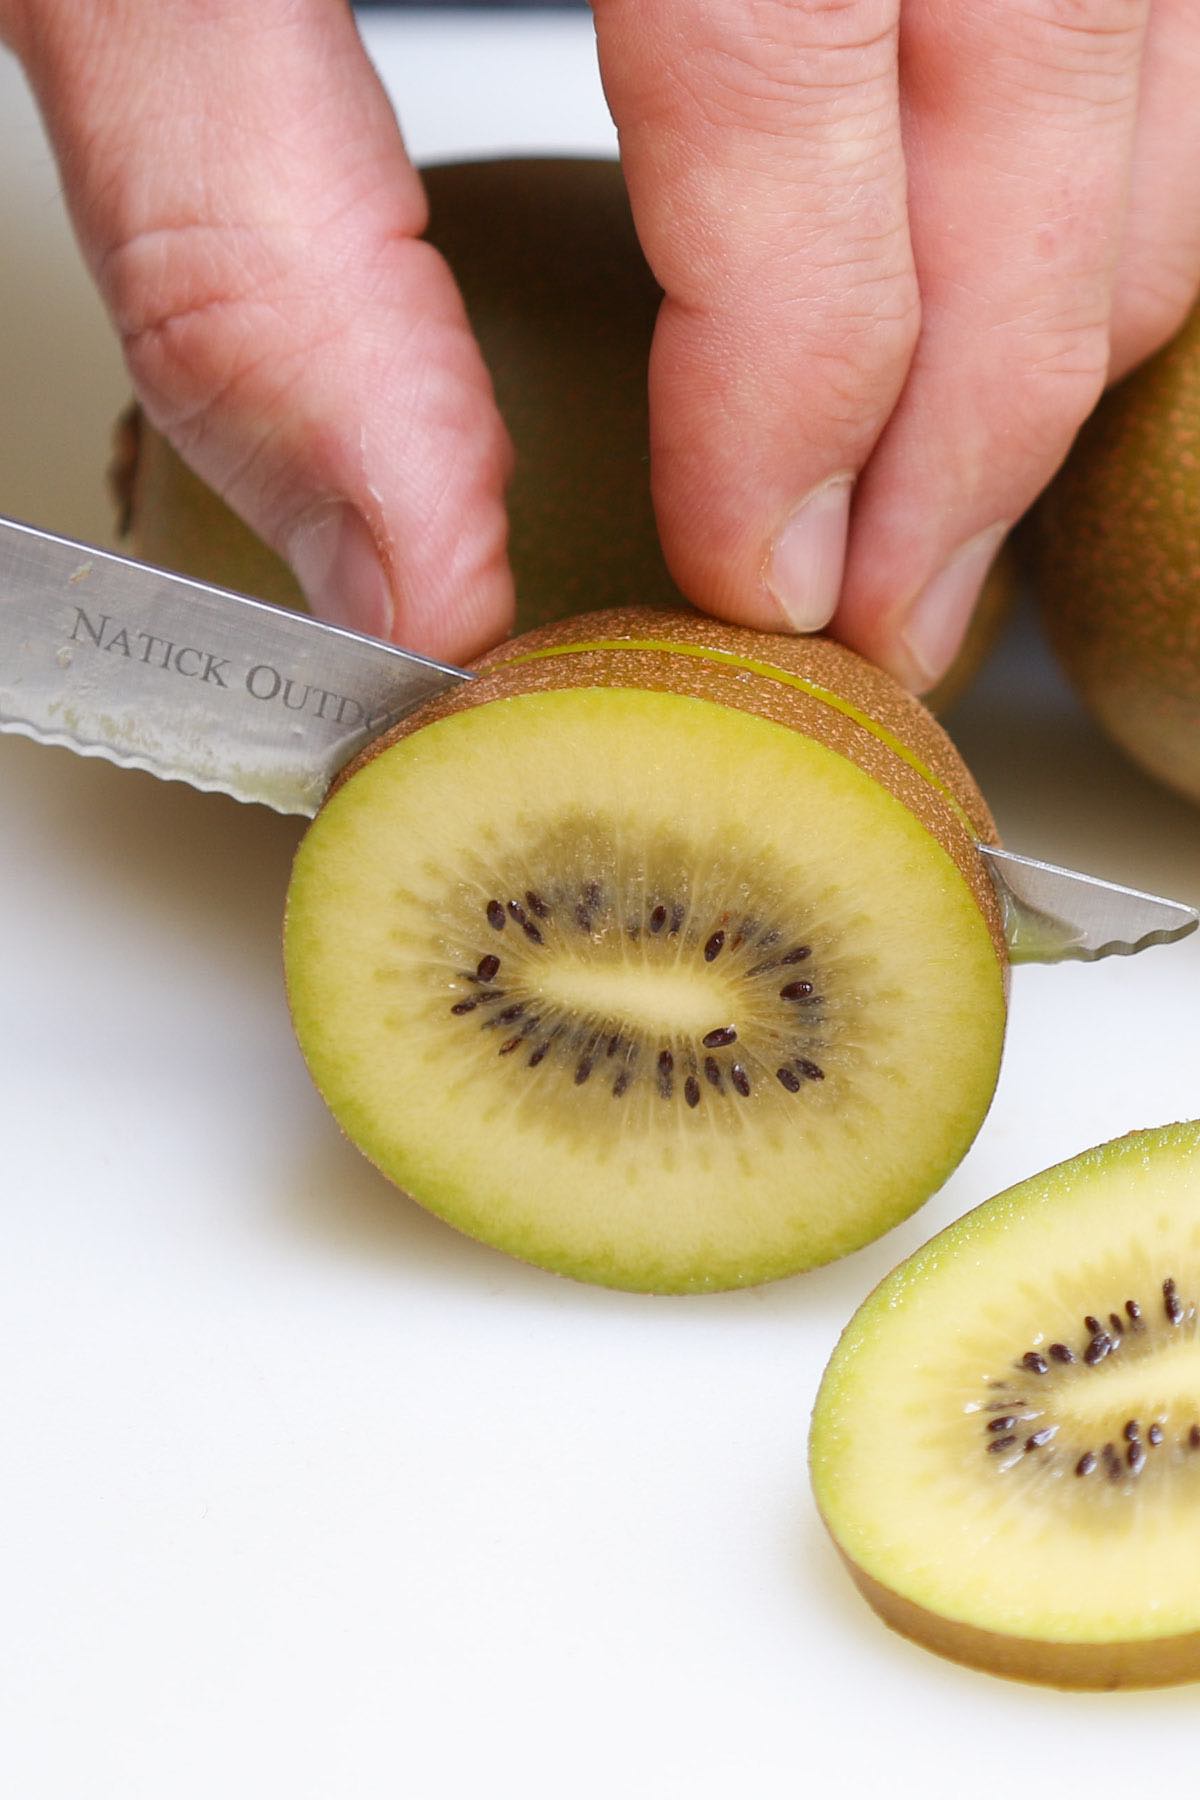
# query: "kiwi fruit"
1006 1443
660 954
1114 553
563 304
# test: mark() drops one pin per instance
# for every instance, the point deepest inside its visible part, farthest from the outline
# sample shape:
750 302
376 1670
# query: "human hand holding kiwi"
250 213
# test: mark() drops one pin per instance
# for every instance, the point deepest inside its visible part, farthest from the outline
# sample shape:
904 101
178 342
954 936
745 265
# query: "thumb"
242 194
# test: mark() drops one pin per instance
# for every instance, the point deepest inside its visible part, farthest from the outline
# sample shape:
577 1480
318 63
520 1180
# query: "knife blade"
191 682
158 672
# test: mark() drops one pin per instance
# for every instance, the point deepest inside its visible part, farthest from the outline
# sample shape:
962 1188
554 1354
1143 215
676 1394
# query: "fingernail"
337 564
804 569
938 617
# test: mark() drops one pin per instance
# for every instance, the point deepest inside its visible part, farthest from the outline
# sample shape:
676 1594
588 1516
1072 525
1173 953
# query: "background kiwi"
564 305
1006 1443
661 954
1114 551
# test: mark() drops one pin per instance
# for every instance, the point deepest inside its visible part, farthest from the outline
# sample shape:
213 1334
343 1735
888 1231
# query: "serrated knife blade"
193 683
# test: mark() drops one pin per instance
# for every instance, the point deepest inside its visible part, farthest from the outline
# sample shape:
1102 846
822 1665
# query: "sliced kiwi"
660 955
1006 1443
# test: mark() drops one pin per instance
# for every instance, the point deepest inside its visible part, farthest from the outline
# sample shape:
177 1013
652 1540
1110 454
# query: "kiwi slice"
1006 1443
660 954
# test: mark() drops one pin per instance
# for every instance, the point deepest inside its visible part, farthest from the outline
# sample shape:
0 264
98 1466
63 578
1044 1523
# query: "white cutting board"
304 1496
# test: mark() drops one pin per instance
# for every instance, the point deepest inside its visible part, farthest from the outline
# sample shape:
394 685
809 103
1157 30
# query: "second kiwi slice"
660 954
1006 1444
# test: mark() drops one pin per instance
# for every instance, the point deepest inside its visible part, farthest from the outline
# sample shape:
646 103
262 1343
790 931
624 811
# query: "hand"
904 244
901 256
240 189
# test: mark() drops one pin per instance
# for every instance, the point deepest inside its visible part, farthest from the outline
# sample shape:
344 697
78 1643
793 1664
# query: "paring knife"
154 671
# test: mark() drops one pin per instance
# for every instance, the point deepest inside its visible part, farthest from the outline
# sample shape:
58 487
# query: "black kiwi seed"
583 1069
536 904
691 1091
1040 1437
1001 1443
1097 1350
1193 1438
666 1063
1062 1353
810 1070
1117 1323
798 954
620 1084
1086 1463
740 1080
714 946
1172 1304
1004 1423
658 918
796 990
1112 1462
1037 1365
513 1043
1093 1325
1133 1431
1135 1456
495 915
712 1072
717 1040
464 1006
1134 1311
1155 1433
538 1055
790 1080
487 968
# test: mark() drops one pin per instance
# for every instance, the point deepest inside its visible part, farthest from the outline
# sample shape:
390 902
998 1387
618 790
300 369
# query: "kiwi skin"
564 306
1163 1662
1113 549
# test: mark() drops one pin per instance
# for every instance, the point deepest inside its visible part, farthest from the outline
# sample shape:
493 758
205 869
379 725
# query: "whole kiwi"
563 303
1114 549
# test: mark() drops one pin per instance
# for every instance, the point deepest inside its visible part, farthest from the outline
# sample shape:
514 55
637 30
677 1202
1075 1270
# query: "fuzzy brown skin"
563 305
1114 548
940 804
1152 1662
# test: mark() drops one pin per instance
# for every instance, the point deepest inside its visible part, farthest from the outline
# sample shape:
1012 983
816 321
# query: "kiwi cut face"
1006 1443
643 988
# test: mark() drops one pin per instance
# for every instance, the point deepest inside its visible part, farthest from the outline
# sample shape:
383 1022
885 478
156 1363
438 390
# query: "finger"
1019 128
242 194
1158 271
761 145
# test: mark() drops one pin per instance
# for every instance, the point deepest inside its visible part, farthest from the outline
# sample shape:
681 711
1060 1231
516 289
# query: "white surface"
302 1494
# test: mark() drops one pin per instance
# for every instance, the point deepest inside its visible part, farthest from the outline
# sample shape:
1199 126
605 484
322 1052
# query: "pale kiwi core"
642 988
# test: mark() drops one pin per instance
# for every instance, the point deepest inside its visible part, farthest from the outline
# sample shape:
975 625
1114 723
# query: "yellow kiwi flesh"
659 955
1114 550
1006 1443
563 305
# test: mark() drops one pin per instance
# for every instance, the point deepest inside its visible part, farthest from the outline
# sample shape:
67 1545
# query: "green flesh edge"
754 665
669 802
1014 1543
